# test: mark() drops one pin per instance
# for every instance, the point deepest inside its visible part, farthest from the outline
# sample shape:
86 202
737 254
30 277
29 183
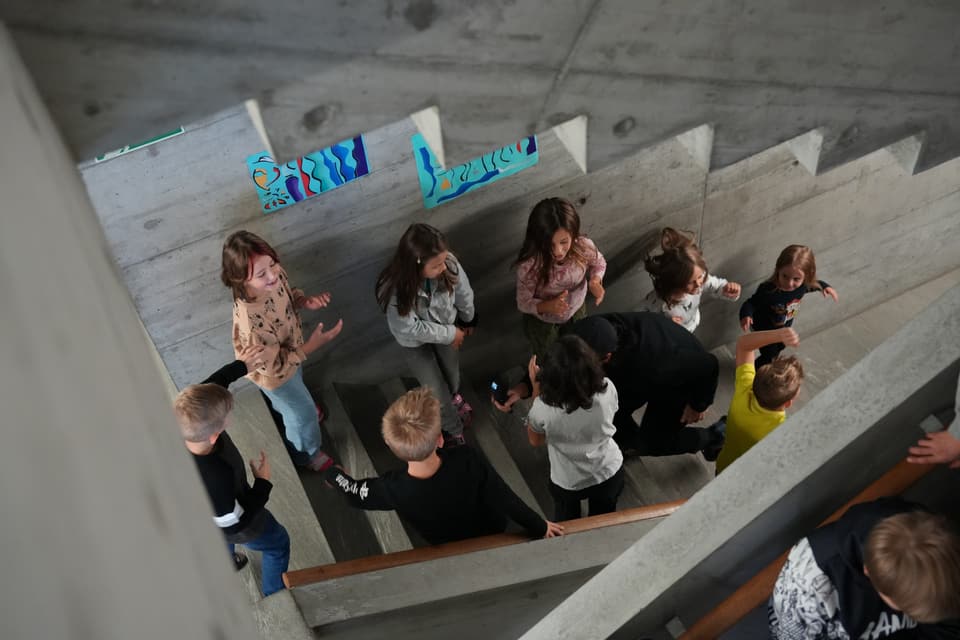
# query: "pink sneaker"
320 462
464 410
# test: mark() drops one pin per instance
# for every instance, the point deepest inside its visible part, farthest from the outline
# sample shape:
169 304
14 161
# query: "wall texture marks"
762 71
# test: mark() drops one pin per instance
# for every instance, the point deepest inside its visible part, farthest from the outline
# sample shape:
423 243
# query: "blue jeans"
274 544
293 401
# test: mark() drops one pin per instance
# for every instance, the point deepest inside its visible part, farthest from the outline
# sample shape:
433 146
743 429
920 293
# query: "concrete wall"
838 443
877 232
106 529
761 70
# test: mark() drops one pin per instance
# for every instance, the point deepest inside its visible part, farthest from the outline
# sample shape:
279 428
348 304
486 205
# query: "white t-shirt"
687 308
580 444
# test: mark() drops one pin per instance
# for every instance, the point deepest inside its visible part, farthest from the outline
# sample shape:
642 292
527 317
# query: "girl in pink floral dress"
555 269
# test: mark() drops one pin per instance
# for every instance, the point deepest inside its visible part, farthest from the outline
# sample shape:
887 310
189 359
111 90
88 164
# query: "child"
776 301
203 411
445 494
760 395
680 278
572 412
885 569
555 268
265 313
429 305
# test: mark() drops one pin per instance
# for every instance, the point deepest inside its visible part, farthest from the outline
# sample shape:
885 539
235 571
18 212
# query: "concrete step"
485 432
352 456
365 405
253 430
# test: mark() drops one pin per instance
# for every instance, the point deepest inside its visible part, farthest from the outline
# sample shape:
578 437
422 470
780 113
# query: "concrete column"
107 531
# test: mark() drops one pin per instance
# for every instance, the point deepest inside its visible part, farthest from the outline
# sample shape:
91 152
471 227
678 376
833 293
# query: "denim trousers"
293 401
274 545
438 366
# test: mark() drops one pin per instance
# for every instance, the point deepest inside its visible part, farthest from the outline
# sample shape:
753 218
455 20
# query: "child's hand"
319 337
936 448
789 337
731 290
553 530
677 319
261 468
251 355
597 290
830 291
745 323
532 368
691 415
458 338
316 302
513 395
555 306
468 331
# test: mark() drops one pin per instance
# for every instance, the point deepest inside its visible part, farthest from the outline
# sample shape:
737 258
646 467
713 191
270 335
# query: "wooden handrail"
755 591
311 575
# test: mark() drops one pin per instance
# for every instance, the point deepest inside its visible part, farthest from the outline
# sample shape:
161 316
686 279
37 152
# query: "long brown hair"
419 243
570 374
800 257
672 269
547 217
240 249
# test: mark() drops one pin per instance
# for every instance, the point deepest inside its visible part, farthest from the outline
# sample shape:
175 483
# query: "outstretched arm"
750 342
367 493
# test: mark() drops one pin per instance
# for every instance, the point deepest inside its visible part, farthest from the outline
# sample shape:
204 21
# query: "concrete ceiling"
761 71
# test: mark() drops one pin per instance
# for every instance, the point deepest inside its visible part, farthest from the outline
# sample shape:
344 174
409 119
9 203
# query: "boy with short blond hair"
885 569
445 494
203 413
760 398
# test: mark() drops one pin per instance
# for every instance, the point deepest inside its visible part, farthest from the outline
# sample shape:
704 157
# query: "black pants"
660 432
602 498
768 354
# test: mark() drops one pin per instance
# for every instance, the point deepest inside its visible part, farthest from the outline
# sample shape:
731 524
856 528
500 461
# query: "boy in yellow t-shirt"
760 398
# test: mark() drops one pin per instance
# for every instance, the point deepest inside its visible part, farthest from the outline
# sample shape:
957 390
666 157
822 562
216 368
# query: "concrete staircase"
899 234
338 533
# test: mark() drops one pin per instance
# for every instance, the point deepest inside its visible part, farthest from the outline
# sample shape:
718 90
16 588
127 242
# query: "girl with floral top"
265 314
555 269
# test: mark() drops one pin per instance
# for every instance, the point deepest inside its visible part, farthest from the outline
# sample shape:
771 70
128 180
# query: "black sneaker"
716 436
239 561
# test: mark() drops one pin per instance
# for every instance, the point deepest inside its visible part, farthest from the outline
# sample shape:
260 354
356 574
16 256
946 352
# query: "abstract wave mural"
440 185
280 186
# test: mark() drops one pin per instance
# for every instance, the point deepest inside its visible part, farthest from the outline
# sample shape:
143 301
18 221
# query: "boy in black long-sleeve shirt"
446 495
203 410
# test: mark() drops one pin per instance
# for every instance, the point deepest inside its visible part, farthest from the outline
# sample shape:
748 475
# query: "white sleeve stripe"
229 519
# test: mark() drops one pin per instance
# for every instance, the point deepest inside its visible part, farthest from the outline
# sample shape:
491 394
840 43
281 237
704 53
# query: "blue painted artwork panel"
280 186
440 185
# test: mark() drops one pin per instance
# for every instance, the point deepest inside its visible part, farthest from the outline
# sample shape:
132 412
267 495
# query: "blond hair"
201 411
913 559
411 425
778 382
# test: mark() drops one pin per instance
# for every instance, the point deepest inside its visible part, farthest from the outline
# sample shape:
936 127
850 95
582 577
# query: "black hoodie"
838 550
